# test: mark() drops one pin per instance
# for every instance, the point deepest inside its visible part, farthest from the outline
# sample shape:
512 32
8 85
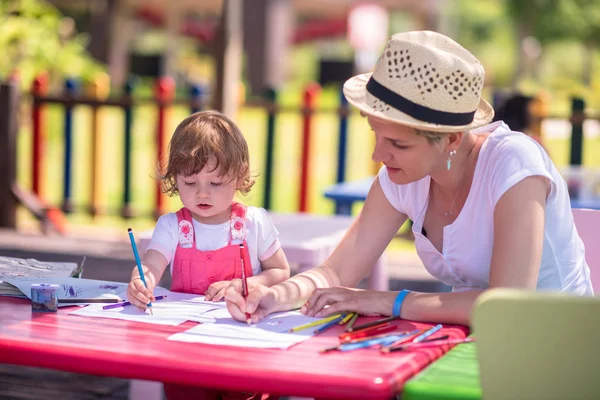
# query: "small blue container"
44 297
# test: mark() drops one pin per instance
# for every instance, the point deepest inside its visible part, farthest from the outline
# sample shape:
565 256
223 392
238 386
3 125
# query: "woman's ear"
454 140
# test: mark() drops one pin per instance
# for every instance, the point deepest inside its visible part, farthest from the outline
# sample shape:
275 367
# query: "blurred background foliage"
532 45
36 37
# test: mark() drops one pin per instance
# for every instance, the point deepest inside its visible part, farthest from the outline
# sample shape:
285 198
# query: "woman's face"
407 156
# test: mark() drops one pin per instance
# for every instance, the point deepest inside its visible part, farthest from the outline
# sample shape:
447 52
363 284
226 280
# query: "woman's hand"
138 295
339 299
261 301
216 291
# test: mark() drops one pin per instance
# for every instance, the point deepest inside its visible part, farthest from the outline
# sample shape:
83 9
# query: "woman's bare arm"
355 255
519 219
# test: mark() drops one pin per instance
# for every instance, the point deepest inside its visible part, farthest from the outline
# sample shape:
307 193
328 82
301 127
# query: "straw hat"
424 80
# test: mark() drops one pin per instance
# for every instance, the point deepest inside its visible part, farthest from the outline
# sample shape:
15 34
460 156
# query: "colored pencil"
374 323
315 323
244 282
346 318
90 301
126 303
405 339
351 322
328 325
384 340
432 343
380 335
138 262
427 333
346 337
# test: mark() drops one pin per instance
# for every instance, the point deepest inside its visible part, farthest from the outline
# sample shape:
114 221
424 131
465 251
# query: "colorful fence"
164 97
97 97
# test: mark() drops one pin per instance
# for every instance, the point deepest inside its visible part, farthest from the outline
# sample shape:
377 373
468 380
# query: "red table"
135 350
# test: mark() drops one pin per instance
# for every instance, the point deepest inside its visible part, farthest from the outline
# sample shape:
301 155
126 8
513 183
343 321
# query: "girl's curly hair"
202 137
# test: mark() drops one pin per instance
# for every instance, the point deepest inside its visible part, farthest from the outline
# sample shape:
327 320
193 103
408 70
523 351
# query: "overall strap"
237 222
185 228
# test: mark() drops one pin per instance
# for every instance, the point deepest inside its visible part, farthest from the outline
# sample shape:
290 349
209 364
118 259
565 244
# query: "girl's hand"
363 302
261 301
138 295
216 291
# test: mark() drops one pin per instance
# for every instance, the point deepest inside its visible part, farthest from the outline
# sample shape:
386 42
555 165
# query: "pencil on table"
126 303
346 337
351 322
244 282
427 333
346 318
404 339
138 262
374 323
329 324
89 301
423 344
315 323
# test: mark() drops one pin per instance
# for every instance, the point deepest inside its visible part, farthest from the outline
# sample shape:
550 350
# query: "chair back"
587 223
537 345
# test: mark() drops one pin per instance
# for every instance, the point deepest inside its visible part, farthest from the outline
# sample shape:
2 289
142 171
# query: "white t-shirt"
261 236
505 158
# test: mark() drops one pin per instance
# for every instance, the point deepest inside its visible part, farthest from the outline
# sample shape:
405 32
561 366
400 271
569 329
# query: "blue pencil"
138 262
426 334
330 324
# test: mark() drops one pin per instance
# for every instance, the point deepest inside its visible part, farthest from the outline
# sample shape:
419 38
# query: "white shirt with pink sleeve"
262 237
505 158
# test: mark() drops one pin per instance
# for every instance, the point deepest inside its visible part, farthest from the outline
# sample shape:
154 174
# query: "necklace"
450 213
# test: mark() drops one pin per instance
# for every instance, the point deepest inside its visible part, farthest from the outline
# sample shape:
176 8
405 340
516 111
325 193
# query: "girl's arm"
153 266
275 269
353 258
519 219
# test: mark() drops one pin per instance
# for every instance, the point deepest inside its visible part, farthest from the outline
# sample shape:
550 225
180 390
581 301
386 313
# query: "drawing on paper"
71 291
109 286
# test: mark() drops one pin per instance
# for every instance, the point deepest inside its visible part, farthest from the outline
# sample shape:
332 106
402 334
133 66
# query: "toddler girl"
208 163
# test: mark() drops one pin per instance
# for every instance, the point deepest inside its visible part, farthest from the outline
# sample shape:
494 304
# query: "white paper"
271 332
73 288
175 309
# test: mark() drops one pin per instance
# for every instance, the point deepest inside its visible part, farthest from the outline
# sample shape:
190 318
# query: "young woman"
489 207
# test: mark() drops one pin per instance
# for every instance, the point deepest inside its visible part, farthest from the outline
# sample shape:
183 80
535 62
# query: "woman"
489 207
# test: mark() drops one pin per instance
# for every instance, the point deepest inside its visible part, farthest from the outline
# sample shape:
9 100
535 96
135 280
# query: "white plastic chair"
587 223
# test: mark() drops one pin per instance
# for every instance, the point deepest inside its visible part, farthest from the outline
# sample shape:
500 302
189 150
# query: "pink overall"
194 271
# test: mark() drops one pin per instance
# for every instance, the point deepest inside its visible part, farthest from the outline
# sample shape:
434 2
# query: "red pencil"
347 337
244 282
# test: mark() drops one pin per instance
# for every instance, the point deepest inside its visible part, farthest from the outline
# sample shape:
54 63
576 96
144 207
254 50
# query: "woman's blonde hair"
200 138
432 137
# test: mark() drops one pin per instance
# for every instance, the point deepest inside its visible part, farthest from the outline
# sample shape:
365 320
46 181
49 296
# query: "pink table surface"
133 350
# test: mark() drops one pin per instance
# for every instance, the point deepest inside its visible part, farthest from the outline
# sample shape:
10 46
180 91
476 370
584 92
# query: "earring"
449 162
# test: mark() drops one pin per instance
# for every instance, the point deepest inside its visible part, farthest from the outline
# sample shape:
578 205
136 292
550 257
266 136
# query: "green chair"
529 345
536 345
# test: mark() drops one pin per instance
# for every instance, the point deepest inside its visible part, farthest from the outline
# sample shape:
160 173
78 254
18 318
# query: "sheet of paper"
73 288
272 332
175 309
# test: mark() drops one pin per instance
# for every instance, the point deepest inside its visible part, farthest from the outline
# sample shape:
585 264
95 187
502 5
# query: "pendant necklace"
450 213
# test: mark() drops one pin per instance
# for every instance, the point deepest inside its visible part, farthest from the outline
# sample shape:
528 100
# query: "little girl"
208 163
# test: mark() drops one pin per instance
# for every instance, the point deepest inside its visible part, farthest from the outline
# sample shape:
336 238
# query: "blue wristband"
398 302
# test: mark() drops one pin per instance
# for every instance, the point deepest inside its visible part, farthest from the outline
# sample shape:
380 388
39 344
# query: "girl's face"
207 194
407 156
